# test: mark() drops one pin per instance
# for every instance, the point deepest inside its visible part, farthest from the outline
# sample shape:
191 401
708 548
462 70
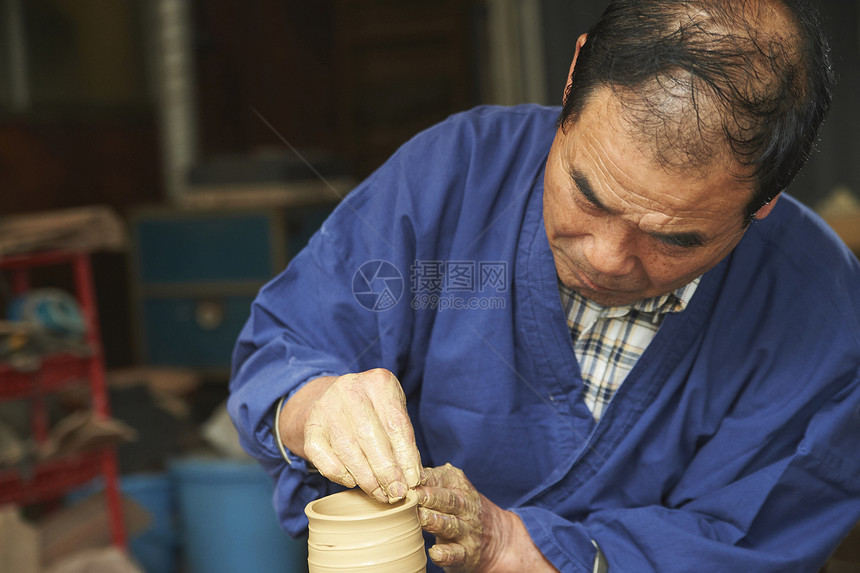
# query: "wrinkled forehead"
673 127
607 151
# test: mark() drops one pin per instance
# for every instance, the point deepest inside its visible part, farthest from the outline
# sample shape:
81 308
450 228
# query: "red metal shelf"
55 371
50 479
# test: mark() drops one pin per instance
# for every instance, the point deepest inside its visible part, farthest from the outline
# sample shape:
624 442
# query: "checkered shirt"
608 341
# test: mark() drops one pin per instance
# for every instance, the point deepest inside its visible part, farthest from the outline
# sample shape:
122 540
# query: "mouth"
612 290
603 291
586 282
589 284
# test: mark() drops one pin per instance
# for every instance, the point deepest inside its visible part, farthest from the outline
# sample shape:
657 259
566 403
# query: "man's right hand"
355 429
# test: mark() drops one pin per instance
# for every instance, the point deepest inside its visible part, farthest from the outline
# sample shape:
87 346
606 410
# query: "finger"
357 441
349 452
394 418
439 524
441 499
446 476
375 445
404 449
380 462
318 451
447 554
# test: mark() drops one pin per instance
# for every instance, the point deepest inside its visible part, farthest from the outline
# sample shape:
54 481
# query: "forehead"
606 149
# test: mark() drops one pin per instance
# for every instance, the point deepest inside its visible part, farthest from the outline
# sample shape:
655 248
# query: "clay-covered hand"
358 432
466 524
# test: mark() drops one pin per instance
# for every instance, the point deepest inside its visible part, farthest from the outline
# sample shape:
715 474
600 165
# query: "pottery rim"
411 500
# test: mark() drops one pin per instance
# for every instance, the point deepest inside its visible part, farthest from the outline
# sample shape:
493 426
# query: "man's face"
621 227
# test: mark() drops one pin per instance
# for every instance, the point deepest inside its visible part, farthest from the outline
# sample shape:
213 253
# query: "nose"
611 251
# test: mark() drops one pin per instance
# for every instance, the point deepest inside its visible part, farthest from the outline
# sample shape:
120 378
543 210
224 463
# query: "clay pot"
350 532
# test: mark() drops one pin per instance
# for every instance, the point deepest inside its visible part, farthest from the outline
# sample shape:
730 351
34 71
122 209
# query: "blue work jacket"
733 444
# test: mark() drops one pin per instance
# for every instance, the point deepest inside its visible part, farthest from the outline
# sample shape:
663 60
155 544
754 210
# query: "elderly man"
608 334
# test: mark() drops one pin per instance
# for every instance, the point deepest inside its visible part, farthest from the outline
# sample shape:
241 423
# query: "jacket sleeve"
283 345
787 516
308 322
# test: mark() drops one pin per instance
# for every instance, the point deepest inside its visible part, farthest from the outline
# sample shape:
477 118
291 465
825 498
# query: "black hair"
753 77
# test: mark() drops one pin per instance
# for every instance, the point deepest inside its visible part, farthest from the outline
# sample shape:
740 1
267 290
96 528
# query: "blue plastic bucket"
227 521
155 548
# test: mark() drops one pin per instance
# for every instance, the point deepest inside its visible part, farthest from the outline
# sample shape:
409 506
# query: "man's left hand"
473 534
451 509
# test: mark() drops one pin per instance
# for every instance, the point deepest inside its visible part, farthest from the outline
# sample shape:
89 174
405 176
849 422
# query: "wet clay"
350 532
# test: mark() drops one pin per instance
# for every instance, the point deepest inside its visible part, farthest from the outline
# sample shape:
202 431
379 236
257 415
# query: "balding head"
709 83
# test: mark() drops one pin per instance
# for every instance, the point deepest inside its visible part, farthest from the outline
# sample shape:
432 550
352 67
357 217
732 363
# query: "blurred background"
185 150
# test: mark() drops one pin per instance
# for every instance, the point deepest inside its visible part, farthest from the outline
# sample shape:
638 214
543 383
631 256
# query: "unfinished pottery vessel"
350 532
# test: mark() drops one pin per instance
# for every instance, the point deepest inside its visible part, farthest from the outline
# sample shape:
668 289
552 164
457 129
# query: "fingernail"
397 490
435 554
412 477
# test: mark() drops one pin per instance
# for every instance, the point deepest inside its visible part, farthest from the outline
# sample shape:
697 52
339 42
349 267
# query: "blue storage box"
195 274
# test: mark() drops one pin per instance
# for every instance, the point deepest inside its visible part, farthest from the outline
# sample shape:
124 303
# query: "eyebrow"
586 190
686 239
683 239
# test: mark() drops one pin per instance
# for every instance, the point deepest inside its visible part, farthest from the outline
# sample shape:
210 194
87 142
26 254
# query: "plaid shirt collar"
675 301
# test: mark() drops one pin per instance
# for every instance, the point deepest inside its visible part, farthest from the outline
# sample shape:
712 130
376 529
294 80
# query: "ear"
766 209
580 42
